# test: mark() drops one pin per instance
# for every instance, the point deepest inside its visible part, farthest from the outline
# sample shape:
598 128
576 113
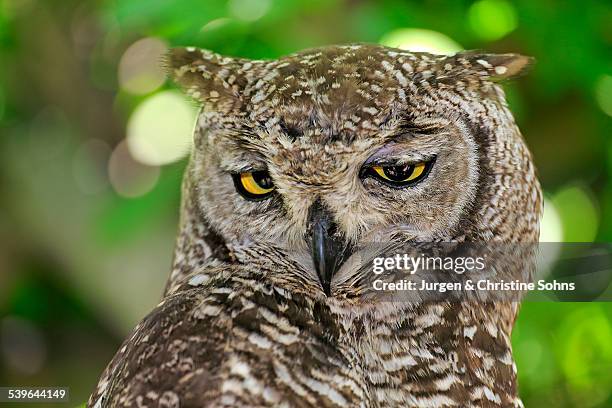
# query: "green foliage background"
79 268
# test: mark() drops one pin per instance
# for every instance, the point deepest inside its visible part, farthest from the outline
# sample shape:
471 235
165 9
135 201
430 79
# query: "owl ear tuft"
498 67
208 77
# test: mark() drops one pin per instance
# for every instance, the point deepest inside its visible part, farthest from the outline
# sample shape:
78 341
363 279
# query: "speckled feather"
245 322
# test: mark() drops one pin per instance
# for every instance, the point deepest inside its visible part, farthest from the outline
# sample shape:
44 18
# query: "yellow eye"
254 185
401 175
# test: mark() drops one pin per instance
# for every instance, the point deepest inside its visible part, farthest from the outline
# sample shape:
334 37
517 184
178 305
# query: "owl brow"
410 133
412 128
241 154
407 127
243 164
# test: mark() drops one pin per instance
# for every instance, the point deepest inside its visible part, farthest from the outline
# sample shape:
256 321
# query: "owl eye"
253 185
400 175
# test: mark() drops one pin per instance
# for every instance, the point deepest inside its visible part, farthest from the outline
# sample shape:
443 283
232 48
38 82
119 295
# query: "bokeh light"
492 19
551 232
578 213
160 129
248 10
551 229
128 177
140 67
603 93
416 39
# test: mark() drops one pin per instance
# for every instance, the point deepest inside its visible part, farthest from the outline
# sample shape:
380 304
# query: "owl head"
319 152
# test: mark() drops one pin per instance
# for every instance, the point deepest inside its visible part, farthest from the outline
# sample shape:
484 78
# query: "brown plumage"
251 315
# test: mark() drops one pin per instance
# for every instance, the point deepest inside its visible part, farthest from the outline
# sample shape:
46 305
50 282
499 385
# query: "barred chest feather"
225 337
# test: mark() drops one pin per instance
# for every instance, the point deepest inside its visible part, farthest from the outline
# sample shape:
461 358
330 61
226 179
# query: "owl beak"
328 246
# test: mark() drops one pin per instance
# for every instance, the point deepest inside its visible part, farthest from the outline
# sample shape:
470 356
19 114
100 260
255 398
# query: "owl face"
408 181
325 151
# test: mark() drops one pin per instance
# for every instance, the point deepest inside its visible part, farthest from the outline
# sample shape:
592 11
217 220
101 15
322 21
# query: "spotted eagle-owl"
297 162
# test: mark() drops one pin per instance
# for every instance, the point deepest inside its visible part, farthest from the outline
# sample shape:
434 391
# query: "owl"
299 164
